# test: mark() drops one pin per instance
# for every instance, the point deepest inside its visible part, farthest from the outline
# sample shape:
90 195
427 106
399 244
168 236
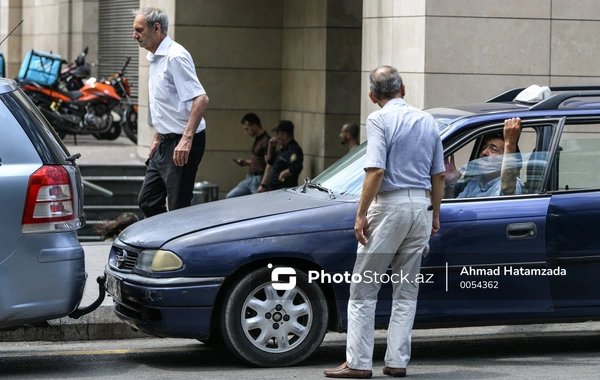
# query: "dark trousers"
164 181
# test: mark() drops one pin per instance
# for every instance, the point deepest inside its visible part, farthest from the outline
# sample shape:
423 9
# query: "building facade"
309 60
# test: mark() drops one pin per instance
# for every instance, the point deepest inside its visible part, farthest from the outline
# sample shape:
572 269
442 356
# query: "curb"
101 324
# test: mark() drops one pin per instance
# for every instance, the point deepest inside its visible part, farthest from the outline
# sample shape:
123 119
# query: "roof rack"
509 95
554 101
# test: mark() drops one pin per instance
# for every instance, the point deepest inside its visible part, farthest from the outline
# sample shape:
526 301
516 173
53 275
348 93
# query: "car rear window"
47 143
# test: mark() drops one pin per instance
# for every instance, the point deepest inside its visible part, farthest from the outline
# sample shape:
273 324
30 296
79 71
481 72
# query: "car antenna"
11 32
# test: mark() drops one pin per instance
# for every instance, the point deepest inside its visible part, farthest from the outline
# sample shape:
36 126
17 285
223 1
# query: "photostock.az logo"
279 284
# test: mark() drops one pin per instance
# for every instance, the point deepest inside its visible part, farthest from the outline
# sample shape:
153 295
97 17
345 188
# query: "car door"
573 246
482 259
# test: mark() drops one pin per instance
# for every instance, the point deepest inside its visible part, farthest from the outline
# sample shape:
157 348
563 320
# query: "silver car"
42 267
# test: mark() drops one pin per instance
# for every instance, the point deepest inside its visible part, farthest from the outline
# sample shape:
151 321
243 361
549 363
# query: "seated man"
497 165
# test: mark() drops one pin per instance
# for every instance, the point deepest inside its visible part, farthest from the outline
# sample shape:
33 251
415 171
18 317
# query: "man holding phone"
256 180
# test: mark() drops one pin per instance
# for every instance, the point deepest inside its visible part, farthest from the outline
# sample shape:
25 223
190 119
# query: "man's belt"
169 136
257 173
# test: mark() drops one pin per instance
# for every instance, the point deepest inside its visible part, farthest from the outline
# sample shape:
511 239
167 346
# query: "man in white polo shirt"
177 105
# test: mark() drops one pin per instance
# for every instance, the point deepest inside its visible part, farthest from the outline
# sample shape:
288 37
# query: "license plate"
113 286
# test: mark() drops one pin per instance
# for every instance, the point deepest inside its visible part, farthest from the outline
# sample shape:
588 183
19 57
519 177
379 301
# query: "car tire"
255 315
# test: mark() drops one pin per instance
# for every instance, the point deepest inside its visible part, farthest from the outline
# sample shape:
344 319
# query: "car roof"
578 99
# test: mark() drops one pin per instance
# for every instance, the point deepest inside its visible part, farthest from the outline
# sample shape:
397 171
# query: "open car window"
469 175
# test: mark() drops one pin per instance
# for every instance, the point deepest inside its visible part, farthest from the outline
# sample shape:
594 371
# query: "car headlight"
158 261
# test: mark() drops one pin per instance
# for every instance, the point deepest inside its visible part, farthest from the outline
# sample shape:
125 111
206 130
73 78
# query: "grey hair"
385 82
154 15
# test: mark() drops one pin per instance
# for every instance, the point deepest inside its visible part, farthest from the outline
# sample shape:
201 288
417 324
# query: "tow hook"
88 309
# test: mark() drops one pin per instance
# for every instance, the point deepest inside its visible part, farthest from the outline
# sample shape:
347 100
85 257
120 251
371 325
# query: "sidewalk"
102 152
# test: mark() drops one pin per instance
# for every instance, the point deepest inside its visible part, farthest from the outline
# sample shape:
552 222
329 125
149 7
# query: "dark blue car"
269 276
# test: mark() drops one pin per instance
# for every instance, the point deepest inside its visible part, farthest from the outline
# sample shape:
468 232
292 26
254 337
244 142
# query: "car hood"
156 231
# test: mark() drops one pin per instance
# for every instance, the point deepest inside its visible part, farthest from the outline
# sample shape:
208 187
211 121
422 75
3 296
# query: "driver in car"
497 165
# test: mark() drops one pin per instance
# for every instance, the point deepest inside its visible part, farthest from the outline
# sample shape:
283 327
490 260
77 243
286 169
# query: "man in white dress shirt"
177 105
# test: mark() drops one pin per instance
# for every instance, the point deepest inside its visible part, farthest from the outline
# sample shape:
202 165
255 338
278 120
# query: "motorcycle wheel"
112 134
129 124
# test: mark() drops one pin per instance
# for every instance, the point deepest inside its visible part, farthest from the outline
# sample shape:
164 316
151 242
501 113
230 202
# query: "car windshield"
345 177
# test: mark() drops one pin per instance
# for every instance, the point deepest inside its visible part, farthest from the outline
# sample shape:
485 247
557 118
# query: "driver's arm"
451 177
512 131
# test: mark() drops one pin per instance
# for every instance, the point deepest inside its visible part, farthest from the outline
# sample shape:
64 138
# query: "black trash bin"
205 191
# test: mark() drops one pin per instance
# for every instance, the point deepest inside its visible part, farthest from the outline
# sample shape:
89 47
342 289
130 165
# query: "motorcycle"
73 78
127 111
88 110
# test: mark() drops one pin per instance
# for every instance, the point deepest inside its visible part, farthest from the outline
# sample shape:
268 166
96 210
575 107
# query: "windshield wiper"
317 186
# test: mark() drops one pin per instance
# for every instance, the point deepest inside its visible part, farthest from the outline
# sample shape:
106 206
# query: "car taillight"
49 202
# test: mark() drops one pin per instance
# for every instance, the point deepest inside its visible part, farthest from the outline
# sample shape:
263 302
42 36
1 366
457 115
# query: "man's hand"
512 130
284 173
271 148
452 175
435 226
241 162
371 184
182 151
509 173
361 229
154 144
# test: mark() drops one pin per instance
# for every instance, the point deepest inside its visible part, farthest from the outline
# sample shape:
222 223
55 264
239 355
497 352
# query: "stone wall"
463 51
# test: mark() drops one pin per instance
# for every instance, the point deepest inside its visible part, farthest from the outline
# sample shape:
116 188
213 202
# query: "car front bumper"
179 307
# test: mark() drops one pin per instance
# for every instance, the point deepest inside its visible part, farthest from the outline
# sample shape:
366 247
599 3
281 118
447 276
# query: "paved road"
542 356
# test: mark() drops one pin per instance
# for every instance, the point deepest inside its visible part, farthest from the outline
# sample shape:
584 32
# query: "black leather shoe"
345 372
394 372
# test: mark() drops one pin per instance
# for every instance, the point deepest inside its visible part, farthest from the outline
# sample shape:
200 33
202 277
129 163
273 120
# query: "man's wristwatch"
263 185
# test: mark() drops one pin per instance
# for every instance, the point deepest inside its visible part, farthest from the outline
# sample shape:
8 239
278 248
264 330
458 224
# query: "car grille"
125 259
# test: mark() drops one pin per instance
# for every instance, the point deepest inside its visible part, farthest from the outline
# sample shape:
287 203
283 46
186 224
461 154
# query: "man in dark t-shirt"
287 162
255 181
